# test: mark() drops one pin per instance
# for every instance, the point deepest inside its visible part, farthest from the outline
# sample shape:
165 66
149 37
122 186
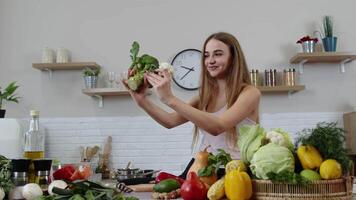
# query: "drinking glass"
111 78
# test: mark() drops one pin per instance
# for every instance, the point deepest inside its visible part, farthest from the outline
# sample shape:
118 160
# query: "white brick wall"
144 142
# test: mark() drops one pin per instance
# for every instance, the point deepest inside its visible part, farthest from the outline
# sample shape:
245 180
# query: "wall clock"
187 66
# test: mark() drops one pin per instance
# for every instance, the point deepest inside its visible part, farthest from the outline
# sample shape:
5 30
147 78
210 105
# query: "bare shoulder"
251 91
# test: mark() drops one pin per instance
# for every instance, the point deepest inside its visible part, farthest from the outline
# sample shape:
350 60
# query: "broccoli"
139 66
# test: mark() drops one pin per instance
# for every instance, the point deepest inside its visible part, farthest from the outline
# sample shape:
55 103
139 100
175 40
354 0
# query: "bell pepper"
309 157
238 185
64 173
164 175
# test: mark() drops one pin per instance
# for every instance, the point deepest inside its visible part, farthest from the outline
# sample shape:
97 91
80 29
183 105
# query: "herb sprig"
287 177
5 174
214 162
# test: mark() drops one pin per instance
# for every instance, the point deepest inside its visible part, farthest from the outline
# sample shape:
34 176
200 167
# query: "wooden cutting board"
148 187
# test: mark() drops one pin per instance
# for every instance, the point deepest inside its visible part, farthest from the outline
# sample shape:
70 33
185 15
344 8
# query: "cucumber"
167 185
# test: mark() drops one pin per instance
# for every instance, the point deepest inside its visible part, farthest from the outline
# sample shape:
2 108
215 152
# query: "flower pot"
329 43
90 81
308 46
2 113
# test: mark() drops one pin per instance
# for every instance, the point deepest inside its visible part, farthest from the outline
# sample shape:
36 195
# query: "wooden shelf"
275 89
323 57
100 93
105 92
65 66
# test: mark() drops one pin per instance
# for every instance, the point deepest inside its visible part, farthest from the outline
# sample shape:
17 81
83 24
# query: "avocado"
167 185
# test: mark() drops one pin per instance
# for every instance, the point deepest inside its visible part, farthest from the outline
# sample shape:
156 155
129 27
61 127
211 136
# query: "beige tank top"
220 141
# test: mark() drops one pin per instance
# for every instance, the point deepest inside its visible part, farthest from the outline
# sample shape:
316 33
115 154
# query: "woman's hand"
161 82
140 95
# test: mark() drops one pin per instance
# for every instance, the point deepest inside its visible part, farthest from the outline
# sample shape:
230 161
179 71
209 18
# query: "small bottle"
42 173
291 78
288 83
19 177
34 143
252 75
267 78
272 78
294 80
256 78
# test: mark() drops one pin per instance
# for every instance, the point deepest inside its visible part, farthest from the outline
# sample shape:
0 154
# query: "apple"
310 175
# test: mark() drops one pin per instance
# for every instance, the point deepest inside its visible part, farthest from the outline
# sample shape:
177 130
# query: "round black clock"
186 66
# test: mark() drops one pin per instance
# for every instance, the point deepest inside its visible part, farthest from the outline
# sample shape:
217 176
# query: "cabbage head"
271 158
250 140
280 137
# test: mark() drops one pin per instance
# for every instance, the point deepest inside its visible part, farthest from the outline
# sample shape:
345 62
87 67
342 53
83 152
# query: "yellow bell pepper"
309 157
238 185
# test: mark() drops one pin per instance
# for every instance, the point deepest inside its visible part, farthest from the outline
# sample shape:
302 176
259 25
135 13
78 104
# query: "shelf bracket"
301 66
342 64
100 99
49 72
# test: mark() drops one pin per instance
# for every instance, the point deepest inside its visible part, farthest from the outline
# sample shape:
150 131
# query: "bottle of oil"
34 143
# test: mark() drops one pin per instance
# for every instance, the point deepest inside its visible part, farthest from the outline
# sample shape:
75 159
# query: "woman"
226 99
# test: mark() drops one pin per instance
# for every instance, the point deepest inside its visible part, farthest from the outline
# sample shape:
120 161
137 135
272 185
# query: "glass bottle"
34 143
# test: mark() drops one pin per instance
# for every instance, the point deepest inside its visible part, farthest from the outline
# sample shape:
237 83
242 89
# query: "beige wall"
103 31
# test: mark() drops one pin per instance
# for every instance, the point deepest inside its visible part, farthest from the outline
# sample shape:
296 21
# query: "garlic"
31 191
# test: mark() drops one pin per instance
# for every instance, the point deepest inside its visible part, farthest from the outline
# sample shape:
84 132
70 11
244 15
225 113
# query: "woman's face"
216 58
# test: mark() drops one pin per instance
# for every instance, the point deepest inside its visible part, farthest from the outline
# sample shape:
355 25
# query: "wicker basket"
338 189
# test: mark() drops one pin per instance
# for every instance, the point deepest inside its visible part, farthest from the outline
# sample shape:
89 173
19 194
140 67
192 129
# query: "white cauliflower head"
167 66
280 137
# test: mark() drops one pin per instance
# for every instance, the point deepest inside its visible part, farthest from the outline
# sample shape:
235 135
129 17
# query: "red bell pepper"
64 173
164 175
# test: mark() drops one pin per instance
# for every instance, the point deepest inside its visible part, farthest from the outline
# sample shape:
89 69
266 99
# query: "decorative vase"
329 44
2 113
90 81
308 46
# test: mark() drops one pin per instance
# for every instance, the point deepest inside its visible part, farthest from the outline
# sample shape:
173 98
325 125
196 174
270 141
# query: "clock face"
186 66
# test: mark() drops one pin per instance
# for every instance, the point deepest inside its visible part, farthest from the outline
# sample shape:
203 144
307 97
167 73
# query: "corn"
217 190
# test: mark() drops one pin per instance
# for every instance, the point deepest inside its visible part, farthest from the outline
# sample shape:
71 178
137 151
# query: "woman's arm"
166 119
245 105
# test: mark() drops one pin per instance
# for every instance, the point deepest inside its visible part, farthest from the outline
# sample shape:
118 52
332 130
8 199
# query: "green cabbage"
271 158
250 140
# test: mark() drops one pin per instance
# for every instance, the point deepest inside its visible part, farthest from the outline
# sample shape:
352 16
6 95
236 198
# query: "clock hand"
185 74
190 69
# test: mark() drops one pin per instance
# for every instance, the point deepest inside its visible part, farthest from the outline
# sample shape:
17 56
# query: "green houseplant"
329 40
8 94
91 77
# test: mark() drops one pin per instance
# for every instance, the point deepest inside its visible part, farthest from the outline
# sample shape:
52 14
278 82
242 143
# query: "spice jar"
42 173
19 177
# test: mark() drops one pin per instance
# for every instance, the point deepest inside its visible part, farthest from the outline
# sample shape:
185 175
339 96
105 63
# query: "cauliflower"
280 137
167 66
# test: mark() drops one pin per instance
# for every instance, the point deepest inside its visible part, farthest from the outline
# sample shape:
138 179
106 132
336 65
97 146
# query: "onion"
31 191
58 184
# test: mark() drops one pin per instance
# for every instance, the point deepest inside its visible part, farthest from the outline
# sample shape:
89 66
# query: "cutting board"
148 187
11 131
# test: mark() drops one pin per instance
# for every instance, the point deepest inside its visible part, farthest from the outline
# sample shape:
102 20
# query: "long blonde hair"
237 79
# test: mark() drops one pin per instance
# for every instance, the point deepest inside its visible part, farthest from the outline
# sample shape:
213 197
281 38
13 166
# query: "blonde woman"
226 98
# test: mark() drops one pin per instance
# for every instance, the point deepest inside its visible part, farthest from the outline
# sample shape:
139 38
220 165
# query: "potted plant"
91 77
308 43
329 40
8 95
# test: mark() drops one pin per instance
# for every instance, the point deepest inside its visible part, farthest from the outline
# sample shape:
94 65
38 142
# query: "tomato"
64 173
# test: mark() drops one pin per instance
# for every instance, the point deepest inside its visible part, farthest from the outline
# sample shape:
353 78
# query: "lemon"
234 165
330 169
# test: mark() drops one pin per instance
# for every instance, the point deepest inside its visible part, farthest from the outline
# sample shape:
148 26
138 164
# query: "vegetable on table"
5 174
193 188
167 185
58 184
31 191
2 194
217 190
238 185
271 158
330 169
309 157
280 137
64 173
250 140
164 175
329 140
